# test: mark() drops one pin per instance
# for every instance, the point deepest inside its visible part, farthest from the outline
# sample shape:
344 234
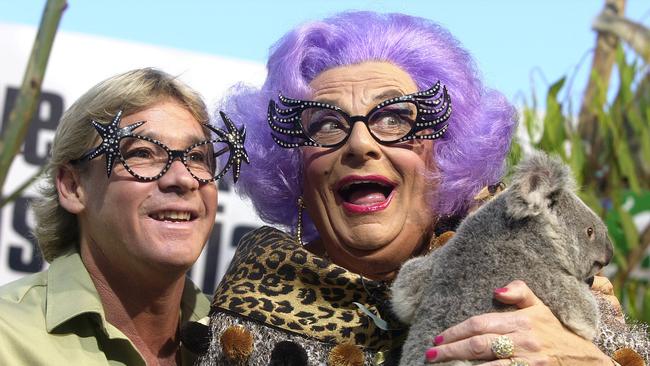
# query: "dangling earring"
301 206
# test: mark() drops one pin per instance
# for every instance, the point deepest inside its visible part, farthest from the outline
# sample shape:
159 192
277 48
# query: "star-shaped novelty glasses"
148 159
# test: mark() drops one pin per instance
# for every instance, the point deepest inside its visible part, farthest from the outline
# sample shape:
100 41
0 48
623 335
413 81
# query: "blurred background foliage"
607 145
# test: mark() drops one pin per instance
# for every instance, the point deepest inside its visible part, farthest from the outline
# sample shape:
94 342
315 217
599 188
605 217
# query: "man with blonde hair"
127 205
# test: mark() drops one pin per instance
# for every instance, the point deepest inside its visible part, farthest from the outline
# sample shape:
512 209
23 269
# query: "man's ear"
71 193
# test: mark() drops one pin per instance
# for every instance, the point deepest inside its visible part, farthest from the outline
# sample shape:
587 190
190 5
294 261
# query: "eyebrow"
388 94
154 135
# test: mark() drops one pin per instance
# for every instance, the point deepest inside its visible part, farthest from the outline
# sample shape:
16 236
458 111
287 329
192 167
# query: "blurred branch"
634 34
30 91
15 194
604 57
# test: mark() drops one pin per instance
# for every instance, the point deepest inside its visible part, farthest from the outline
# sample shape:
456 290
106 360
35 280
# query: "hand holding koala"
537 231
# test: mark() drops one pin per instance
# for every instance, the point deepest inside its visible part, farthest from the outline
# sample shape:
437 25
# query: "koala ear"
536 185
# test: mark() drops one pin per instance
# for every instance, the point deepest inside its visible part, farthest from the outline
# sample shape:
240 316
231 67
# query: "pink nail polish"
500 290
438 340
431 354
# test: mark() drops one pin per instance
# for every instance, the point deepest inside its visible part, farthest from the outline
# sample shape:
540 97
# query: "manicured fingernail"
500 290
438 340
431 354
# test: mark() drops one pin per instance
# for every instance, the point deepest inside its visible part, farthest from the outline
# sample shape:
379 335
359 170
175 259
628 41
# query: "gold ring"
503 347
515 362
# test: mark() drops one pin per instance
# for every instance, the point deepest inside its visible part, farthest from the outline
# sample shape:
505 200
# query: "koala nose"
609 252
604 258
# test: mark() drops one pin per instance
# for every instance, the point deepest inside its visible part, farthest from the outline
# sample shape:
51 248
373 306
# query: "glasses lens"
201 158
325 126
393 121
144 158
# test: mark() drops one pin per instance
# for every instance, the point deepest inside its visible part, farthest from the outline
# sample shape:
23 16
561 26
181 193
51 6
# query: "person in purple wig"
359 199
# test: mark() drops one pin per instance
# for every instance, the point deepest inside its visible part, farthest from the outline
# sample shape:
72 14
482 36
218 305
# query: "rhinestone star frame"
111 135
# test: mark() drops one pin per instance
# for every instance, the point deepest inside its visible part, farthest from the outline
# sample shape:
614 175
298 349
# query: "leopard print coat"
281 292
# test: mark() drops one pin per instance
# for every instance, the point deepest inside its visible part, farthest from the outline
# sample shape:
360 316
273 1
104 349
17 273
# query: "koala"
537 230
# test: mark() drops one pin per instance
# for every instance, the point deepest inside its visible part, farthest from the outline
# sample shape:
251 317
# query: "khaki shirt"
56 317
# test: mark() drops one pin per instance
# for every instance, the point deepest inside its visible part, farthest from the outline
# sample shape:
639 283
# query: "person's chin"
366 232
368 239
176 259
175 248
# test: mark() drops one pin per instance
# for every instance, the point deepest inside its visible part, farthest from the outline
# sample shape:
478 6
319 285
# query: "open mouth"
173 216
365 193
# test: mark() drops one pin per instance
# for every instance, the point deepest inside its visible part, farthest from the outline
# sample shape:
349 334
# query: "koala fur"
537 231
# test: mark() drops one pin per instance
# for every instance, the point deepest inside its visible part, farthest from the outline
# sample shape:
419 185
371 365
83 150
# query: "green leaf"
555 88
626 77
643 133
631 299
554 134
627 223
621 148
578 158
626 164
514 156
533 126
379 322
645 316
621 261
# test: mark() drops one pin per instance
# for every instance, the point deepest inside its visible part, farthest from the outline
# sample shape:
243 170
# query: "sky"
517 44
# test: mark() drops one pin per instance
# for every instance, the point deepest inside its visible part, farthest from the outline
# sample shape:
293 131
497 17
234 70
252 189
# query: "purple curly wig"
470 156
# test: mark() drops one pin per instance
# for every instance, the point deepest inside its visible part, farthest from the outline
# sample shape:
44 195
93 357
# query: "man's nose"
361 144
178 177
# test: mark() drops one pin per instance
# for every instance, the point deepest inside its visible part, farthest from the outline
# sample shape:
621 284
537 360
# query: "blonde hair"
57 229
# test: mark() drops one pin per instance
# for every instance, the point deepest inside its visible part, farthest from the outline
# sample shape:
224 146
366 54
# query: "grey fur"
535 231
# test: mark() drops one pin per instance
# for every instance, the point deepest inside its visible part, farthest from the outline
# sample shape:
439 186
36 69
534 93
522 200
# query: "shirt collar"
194 304
71 292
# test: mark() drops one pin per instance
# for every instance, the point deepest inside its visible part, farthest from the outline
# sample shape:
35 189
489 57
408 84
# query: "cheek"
122 190
315 176
210 198
132 189
413 164
416 170
124 200
317 166
418 192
